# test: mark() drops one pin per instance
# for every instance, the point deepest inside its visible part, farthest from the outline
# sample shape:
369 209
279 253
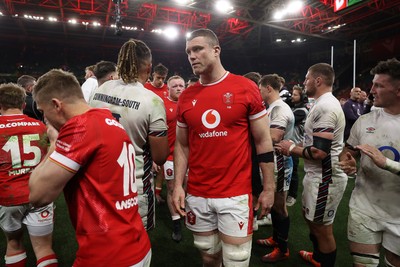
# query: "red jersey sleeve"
256 106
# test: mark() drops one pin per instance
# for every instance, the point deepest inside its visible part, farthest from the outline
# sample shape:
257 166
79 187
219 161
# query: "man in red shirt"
23 144
176 85
215 118
93 160
157 85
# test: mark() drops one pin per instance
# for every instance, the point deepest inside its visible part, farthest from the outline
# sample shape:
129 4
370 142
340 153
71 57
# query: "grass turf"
167 253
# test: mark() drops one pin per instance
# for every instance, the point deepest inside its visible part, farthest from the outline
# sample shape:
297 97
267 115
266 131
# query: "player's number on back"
13 147
127 161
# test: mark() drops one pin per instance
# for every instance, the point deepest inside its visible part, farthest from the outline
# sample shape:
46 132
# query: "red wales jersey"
170 108
217 118
102 196
23 144
161 92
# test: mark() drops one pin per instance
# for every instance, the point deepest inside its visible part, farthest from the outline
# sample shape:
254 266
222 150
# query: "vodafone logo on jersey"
211 118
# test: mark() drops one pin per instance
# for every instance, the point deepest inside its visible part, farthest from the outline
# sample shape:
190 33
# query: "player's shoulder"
241 80
148 85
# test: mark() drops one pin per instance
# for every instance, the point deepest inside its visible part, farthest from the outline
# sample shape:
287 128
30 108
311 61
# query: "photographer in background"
300 111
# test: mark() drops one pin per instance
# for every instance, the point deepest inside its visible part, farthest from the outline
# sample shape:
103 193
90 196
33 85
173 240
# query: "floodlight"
183 2
223 6
171 33
279 14
294 6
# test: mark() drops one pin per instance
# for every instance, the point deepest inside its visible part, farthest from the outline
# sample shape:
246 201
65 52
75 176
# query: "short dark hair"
103 68
390 67
271 80
209 34
254 76
12 96
160 69
26 80
325 70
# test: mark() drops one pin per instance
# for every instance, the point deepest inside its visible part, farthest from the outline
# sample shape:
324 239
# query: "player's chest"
226 107
382 132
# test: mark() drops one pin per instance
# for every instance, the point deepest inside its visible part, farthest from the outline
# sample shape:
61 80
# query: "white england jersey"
377 191
140 111
326 115
281 117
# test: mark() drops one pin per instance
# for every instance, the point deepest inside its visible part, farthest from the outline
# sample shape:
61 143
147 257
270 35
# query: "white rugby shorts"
367 230
39 221
321 200
231 216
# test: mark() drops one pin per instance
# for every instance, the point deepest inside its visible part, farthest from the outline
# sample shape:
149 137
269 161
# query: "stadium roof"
249 28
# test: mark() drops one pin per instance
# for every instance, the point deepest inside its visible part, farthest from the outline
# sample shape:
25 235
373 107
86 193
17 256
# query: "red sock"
17 260
48 261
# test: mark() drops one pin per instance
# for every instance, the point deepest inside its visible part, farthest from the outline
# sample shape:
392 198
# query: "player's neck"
72 110
213 76
158 87
173 100
393 110
273 99
12 111
143 78
321 92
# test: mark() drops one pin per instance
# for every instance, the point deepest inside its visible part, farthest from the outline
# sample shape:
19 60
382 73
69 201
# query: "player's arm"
277 134
159 147
181 156
158 137
322 142
263 142
379 159
47 181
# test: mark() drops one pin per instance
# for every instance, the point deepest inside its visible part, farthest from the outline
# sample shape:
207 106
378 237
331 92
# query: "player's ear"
56 103
217 50
397 84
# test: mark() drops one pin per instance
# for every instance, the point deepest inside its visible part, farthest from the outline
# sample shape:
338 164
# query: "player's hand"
155 168
348 164
178 200
265 201
377 157
283 147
